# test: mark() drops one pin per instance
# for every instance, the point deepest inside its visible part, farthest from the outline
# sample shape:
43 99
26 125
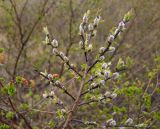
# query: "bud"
114 113
57 82
85 17
90 27
107 94
63 110
98 73
113 95
45 30
62 54
120 63
129 121
81 45
102 58
121 26
101 50
111 122
66 59
86 41
52 93
91 78
54 43
94 84
46 41
50 76
87 38
45 95
100 97
128 16
116 31
115 75
102 82
55 51
107 74
110 38
72 65
90 47
96 20
111 49
94 33
104 66
90 123
81 29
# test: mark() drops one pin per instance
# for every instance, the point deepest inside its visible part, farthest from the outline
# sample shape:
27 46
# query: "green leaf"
84 66
51 124
129 62
46 41
128 16
120 64
10 115
59 114
1 50
4 126
156 116
10 89
129 91
24 106
19 79
147 101
35 127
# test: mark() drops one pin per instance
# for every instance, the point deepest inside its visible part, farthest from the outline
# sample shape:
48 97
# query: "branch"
94 87
106 49
15 110
94 100
75 105
58 86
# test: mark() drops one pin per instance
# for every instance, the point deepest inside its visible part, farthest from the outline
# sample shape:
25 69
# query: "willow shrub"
103 97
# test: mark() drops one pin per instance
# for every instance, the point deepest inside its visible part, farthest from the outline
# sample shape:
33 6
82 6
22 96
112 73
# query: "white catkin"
111 38
113 95
107 94
54 43
129 121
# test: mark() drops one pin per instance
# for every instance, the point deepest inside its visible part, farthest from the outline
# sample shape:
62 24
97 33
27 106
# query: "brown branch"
94 100
75 105
58 86
92 88
70 67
